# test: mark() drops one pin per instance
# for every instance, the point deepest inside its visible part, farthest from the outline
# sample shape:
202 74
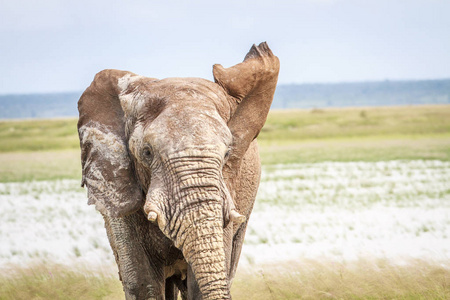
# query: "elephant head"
172 148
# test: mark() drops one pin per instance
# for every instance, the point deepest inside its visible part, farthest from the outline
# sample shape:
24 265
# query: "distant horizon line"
279 84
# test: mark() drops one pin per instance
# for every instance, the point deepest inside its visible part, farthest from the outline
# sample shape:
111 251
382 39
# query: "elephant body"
173 167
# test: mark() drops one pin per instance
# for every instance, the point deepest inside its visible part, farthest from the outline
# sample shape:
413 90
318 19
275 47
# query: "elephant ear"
251 86
107 168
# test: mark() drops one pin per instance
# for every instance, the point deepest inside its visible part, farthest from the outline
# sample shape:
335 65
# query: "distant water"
381 93
39 105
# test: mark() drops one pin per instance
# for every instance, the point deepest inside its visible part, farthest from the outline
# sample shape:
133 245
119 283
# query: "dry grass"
363 279
357 280
57 282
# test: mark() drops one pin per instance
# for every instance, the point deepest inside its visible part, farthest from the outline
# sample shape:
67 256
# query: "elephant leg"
171 289
182 287
141 278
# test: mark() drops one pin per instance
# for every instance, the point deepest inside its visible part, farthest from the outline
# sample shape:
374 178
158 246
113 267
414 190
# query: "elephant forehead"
194 93
182 126
195 87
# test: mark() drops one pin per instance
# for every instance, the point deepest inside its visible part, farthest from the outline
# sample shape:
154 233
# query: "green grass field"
38 135
356 134
49 149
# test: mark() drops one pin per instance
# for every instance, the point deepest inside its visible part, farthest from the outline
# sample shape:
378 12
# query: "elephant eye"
227 154
147 153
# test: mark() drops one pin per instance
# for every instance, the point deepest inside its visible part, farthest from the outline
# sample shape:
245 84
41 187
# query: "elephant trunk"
203 249
194 219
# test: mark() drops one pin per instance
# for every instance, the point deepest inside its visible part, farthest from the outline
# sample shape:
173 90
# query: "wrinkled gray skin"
173 167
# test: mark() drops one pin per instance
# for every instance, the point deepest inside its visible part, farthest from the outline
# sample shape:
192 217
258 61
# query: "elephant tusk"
236 217
152 216
183 275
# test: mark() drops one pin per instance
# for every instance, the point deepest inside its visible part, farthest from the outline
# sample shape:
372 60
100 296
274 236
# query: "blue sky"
56 45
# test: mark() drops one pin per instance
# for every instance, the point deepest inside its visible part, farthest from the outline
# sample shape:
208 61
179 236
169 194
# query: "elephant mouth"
179 268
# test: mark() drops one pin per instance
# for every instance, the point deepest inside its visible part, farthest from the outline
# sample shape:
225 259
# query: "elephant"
173 167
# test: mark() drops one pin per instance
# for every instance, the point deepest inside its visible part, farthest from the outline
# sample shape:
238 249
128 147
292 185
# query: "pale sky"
57 45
